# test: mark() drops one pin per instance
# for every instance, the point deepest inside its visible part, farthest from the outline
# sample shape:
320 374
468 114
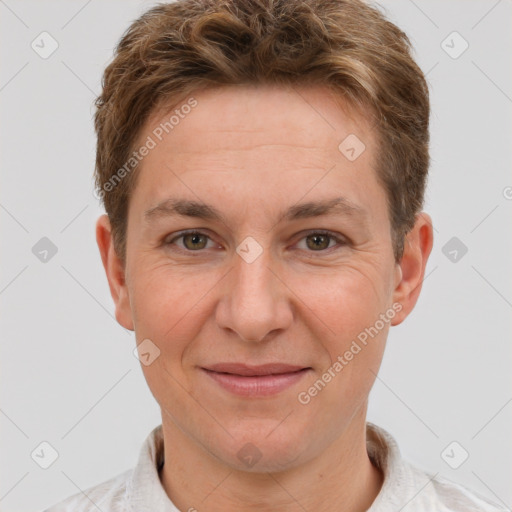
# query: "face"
259 263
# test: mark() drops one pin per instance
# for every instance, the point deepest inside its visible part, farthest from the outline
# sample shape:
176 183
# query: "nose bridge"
252 280
256 304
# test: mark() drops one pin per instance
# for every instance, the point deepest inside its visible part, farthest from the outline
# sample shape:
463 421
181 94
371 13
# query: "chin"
261 452
253 460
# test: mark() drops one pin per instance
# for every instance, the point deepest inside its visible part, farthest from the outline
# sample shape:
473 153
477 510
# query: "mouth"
252 381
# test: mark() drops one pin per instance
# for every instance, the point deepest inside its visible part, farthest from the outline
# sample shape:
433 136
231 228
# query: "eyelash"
333 236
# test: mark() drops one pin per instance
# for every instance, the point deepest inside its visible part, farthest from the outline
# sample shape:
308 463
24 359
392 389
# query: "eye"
192 241
320 241
315 241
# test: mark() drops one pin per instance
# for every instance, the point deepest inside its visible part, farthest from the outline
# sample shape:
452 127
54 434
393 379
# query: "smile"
254 381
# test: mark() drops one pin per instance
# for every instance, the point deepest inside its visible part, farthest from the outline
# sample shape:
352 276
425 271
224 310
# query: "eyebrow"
189 208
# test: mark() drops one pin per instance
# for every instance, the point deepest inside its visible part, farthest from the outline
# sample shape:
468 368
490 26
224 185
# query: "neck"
342 478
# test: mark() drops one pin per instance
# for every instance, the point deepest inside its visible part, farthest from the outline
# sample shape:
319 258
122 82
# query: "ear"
411 269
115 271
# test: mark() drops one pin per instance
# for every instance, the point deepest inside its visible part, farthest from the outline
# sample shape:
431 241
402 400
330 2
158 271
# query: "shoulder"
128 490
108 496
409 488
444 495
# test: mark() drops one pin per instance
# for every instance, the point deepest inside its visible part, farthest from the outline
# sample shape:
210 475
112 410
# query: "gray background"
68 373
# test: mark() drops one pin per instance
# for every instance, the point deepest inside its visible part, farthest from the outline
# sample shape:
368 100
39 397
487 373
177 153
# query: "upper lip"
253 371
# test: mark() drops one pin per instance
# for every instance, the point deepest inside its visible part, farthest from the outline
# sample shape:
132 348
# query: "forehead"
301 115
281 138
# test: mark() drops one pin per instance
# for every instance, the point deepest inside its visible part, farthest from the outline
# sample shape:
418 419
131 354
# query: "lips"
253 381
254 371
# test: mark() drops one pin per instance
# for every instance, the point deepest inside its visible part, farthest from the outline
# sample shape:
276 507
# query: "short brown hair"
347 45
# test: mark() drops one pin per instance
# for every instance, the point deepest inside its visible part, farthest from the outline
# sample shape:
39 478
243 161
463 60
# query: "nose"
255 303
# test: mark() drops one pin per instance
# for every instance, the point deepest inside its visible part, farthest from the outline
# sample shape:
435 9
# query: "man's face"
263 284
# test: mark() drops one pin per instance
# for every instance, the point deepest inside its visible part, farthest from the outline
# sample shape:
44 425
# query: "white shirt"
406 488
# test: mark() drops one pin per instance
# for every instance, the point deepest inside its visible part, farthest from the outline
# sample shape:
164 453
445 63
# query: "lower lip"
262 385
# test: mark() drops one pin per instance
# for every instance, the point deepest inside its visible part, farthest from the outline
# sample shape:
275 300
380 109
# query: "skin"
252 152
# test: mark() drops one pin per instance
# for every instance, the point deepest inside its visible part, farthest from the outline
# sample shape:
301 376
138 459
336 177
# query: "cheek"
344 300
167 306
347 307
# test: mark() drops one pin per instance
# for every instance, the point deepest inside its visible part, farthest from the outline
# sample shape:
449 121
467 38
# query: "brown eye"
194 241
321 242
318 241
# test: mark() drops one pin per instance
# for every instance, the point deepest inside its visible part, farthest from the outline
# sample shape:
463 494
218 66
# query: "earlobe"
115 272
417 247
